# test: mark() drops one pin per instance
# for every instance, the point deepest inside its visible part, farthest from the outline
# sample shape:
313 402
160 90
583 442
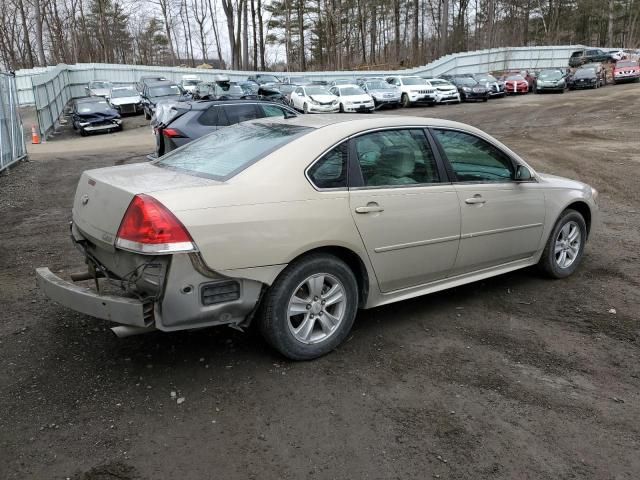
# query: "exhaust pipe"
123 331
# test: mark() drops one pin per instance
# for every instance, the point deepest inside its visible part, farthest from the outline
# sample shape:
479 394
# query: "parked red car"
626 71
515 84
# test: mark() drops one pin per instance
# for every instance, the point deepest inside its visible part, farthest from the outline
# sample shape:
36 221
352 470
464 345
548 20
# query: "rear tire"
566 243
295 321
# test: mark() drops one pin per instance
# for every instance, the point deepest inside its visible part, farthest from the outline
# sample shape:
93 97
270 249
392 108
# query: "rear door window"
272 111
241 112
211 117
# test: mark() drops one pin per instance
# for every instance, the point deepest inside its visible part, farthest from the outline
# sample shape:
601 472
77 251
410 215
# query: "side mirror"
523 174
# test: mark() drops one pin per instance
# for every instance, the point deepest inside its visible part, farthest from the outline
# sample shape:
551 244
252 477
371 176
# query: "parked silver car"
260 222
125 99
98 88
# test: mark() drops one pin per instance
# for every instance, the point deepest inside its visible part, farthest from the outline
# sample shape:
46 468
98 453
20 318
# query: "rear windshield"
226 152
626 64
100 85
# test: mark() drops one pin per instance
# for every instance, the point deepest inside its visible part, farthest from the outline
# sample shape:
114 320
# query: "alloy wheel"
317 308
567 244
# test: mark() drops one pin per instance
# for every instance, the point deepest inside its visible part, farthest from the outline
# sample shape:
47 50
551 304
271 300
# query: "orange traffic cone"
35 138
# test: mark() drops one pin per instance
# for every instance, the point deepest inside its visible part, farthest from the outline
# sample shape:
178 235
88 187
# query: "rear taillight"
149 227
172 133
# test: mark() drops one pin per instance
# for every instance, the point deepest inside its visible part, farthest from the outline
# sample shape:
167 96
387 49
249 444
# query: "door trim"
500 230
418 243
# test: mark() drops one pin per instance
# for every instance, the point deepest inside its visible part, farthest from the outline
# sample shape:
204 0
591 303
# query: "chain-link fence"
12 146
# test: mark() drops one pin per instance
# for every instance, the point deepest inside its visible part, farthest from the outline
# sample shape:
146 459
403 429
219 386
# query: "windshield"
351 91
342 81
515 78
585 72
100 85
297 80
486 78
164 91
550 75
226 152
378 85
414 81
268 78
626 64
94 107
317 91
438 82
123 92
190 82
467 81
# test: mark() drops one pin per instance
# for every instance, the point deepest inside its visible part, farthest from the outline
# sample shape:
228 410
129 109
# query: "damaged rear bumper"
123 310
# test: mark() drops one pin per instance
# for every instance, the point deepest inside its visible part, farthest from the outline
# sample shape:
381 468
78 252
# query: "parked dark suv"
187 121
589 55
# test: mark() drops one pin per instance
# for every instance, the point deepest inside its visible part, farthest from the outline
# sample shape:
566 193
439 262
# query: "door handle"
372 207
475 200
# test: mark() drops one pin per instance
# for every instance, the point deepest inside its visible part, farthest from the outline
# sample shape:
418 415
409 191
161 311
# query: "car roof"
90 100
205 104
160 83
128 87
354 123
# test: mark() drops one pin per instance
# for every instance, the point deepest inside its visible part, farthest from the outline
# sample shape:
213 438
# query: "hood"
357 98
96 117
446 88
169 98
103 194
125 100
555 181
323 98
384 90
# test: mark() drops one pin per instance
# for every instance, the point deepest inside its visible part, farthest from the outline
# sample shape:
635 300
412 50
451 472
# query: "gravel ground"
516 377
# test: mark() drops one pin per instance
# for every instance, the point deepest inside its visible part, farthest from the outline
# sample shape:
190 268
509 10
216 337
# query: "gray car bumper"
127 311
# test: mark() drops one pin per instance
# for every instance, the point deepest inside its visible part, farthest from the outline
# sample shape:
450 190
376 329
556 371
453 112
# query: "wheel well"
584 210
353 261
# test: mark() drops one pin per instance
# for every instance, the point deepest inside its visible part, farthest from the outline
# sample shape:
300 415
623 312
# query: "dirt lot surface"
517 377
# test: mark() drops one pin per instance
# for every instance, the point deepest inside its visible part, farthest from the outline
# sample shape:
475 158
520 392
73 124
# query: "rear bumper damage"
123 310
165 292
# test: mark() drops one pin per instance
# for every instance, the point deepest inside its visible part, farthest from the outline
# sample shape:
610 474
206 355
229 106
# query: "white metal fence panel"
52 87
12 146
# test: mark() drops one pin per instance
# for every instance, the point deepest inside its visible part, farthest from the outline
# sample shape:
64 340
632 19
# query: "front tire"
405 100
310 308
565 246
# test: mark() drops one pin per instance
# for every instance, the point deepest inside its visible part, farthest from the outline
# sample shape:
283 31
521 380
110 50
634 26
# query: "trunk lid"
103 195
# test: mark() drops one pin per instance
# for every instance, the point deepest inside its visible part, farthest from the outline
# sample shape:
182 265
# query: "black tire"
405 100
146 115
485 99
548 264
274 319
83 132
305 108
341 108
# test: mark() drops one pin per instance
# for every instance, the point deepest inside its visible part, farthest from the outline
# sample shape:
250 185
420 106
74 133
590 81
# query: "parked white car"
98 88
125 99
314 99
414 90
352 98
189 82
446 92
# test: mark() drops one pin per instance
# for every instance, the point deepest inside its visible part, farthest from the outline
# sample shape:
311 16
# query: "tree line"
298 35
